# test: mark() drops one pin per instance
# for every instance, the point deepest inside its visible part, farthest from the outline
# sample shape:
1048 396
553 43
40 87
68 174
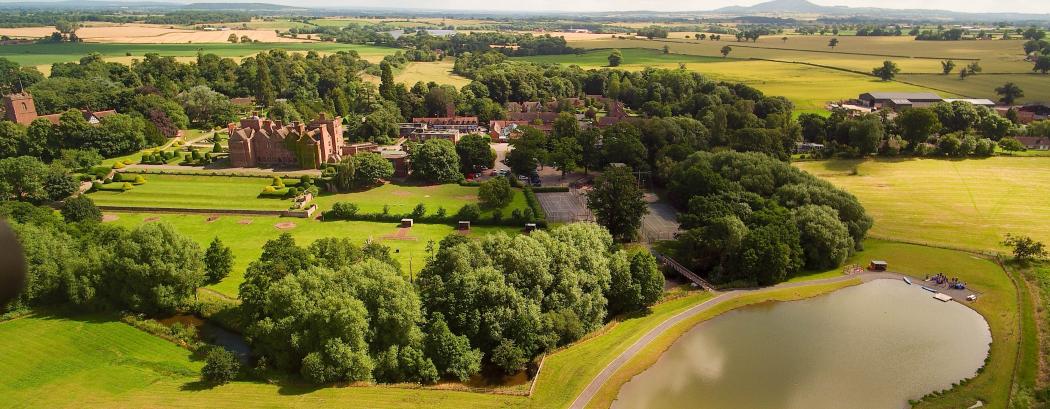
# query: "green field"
809 87
246 240
46 54
960 203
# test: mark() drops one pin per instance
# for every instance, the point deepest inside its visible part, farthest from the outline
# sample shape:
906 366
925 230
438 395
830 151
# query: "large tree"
218 261
370 168
618 202
887 71
917 125
154 269
475 152
436 161
1009 92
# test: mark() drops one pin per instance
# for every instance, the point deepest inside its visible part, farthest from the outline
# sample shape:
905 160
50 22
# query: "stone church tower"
20 108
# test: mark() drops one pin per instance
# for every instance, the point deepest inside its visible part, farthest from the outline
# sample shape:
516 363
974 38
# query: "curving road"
584 398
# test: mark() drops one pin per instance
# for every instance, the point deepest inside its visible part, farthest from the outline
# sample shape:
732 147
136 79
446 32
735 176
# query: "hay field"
809 87
437 71
154 34
959 203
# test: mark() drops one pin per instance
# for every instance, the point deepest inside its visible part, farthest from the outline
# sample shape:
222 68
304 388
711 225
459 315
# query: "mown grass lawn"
401 199
245 235
194 192
96 361
969 203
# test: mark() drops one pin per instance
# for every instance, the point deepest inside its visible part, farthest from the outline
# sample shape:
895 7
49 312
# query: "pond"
874 345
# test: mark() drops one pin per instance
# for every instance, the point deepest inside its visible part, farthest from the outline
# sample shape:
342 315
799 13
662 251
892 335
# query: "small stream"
214 334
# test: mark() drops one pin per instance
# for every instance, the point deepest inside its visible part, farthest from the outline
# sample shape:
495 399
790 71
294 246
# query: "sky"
977 6
973 6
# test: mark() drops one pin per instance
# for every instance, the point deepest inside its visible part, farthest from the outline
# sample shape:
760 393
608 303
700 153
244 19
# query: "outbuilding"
878 265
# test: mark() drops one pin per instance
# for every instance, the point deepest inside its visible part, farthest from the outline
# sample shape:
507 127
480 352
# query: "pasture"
47 54
809 87
970 204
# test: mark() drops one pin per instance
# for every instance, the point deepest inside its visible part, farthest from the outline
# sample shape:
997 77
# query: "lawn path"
584 398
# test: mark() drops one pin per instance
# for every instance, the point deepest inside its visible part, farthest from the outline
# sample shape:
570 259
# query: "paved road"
592 388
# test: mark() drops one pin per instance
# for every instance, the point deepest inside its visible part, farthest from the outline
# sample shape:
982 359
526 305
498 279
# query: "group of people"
953 283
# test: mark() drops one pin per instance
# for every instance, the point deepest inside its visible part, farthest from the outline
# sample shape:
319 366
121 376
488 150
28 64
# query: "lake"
874 345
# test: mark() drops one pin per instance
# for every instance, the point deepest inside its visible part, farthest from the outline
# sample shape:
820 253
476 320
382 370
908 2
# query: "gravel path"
592 388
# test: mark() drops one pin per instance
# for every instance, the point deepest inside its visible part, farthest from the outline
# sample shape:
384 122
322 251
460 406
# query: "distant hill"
778 6
797 7
240 7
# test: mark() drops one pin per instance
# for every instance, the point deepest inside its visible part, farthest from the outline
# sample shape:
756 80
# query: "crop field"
809 87
959 203
245 235
47 54
154 34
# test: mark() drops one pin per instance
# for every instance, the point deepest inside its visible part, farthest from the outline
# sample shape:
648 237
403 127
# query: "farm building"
899 100
1037 143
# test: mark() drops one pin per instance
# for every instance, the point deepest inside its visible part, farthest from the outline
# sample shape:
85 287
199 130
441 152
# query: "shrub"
126 186
139 180
220 366
81 208
118 165
469 212
419 211
269 189
277 182
441 213
341 211
1011 144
